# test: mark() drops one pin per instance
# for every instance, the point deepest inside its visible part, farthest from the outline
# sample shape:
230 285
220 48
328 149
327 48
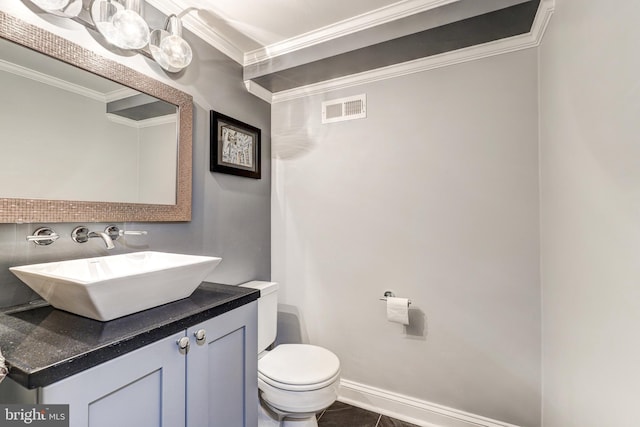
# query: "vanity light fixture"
51 5
121 24
63 8
168 47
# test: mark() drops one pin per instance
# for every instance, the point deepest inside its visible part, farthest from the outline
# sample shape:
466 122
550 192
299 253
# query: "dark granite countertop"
43 345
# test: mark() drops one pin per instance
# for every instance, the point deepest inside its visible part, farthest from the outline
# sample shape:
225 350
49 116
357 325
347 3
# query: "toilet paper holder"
390 294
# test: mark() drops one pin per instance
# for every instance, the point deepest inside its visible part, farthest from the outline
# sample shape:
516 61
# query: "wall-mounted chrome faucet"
110 234
82 234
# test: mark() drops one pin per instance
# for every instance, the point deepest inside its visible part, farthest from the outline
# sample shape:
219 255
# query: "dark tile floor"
342 415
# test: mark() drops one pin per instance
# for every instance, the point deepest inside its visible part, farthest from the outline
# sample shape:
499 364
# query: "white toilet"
295 380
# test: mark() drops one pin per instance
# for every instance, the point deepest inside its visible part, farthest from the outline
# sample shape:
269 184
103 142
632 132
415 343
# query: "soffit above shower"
287 45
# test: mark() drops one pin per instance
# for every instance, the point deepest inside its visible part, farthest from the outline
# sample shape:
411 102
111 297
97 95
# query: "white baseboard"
409 409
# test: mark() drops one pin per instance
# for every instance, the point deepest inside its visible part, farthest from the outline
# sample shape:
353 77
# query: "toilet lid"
298 365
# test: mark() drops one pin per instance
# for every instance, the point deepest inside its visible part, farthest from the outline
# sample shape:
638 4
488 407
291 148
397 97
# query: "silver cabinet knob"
183 345
201 336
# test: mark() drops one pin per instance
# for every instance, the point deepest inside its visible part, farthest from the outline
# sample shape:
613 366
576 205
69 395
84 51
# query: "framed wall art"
235 147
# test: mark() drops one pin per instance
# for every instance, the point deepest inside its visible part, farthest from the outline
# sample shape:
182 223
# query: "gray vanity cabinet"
213 383
222 371
143 388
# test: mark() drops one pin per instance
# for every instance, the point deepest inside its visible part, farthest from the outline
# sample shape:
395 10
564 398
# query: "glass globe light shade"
132 31
109 32
154 46
50 4
176 51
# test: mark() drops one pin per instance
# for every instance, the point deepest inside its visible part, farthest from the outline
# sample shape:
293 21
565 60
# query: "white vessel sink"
108 287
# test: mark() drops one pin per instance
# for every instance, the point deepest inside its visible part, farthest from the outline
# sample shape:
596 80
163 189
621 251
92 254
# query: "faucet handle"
133 233
114 232
80 234
43 236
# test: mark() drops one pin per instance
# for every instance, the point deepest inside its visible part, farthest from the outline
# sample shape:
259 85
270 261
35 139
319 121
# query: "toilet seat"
298 404
303 387
299 367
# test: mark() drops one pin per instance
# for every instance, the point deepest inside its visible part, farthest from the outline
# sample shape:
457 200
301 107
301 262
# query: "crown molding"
543 16
257 90
88 93
340 29
28 73
141 124
197 27
118 94
498 47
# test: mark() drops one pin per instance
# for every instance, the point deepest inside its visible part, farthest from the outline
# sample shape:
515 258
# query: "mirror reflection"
72 135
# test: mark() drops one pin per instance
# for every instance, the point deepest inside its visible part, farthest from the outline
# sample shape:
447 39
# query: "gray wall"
231 215
590 214
435 196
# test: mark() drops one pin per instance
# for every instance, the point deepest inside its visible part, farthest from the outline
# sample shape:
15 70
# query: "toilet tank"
267 312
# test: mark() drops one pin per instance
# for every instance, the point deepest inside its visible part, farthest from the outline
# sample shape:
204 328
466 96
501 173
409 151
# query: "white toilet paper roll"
398 310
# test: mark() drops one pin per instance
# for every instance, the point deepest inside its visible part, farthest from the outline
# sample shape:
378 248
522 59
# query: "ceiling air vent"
338 110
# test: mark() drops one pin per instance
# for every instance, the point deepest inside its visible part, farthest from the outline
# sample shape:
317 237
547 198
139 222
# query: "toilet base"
269 418
307 422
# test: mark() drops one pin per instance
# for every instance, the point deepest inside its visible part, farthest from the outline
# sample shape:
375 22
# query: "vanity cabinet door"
144 388
222 370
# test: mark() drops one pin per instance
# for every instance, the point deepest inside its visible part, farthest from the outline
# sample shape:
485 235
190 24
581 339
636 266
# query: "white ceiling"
252 24
285 45
244 29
